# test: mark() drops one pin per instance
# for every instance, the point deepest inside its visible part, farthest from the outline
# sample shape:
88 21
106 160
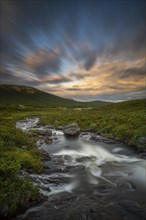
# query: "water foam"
92 151
93 157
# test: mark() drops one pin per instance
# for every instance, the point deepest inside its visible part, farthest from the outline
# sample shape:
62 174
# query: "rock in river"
46 133
141 143
71 129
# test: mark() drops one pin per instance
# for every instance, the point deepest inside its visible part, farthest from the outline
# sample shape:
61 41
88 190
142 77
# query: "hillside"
119 121
23 95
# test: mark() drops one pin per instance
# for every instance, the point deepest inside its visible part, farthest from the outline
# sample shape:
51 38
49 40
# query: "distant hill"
24 95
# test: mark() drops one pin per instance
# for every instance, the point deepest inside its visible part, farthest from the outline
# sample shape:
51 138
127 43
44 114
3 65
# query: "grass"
122 121
15 194
16 191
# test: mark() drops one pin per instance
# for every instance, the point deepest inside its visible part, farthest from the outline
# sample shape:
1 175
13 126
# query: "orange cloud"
107 78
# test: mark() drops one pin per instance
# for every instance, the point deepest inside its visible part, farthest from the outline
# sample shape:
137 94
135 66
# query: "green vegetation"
23 95
122 121
15 190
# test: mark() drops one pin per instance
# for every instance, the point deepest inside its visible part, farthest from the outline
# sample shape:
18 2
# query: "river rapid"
87 179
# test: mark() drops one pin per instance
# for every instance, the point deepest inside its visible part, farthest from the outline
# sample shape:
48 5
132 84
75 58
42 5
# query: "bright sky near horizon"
86 50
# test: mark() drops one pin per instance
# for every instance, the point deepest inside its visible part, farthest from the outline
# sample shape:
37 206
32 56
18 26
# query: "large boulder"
71 129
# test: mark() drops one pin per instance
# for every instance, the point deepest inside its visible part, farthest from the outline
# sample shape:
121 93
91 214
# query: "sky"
84 50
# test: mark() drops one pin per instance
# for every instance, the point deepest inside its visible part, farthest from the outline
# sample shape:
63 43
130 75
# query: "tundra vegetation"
121 121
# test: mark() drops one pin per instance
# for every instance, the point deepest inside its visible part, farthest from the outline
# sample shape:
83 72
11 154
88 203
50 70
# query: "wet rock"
141 143
66 146
35 126
142 140
132 208
85 133
46 188
40 142
68 168
46 133
55 180
45 155
93 136
60 161
46 158
48 140
71 129
86 158
52 171
30 171
142 155
109 141
105 140
126 185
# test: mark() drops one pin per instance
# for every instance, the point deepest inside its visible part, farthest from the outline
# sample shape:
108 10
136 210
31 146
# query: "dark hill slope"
23 95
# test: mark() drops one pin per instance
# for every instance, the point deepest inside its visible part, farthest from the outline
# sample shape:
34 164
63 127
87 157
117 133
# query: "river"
87 179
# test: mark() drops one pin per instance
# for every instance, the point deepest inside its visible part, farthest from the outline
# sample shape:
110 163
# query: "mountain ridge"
26 95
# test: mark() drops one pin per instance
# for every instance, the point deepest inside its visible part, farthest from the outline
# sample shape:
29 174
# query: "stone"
48 140
71 129
84 133
141 143
142 140
93 136
48 132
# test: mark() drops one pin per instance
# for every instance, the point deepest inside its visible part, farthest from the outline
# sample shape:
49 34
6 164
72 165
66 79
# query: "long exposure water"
81 167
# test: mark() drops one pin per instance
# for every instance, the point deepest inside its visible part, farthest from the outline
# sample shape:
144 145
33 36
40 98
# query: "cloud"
135 72
6 77
111 78
80 74
131 70
57 79
74 89
44 61
86 55
74 49
90 60
9 77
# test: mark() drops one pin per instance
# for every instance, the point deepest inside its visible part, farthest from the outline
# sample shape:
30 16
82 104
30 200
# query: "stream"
87 179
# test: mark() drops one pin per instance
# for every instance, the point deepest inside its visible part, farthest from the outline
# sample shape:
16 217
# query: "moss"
16 191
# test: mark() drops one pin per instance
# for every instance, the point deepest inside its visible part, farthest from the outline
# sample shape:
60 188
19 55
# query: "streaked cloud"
85 50
44 61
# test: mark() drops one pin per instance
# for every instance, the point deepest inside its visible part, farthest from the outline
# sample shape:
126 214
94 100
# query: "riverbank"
19 152
86 179
120 121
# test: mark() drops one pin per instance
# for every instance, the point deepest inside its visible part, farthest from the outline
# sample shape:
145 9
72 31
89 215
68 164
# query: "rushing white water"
27 124
93 158
90 163
100 154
